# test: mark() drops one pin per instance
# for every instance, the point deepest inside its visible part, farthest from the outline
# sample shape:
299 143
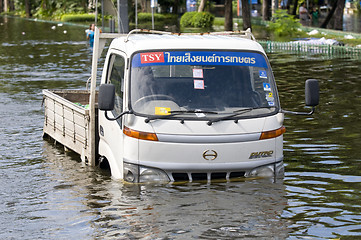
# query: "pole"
103 14
136 14
119 16
92 111
153 4
96 12
152 17
123 21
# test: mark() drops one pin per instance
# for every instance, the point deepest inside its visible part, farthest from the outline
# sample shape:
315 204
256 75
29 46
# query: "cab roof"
145 42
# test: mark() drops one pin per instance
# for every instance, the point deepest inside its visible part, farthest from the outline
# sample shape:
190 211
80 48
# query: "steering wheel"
154 97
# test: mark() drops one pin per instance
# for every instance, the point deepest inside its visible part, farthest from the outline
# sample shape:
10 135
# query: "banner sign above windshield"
199 58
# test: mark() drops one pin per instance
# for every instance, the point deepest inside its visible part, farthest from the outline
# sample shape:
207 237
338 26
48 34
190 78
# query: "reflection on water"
49 193
187 211
351 23
322 153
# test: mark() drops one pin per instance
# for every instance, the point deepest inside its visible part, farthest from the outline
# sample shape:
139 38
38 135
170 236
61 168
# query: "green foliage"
203 20
78 18
186 19
146 17
284 24
234 8
41 12
218 21
49 9
160 20
197 19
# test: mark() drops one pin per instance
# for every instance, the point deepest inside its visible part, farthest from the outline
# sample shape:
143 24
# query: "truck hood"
223 131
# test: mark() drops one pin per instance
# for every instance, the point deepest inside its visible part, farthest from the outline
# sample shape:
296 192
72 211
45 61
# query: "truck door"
111 138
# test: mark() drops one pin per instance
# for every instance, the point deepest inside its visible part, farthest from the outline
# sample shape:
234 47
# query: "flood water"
47 193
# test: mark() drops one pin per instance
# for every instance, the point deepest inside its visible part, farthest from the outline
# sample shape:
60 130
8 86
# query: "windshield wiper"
192 111
178 112
235 113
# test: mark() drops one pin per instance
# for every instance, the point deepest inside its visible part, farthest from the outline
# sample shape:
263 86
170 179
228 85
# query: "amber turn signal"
140 135
273 133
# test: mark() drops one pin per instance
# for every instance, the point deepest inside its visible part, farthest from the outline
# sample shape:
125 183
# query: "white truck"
176 107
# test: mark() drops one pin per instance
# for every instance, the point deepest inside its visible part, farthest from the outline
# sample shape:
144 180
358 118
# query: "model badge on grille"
210 155
261 154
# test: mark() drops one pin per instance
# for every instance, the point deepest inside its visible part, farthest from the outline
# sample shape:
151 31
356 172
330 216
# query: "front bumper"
137 173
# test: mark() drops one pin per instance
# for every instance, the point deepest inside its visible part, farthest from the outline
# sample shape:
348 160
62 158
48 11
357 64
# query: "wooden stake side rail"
67 119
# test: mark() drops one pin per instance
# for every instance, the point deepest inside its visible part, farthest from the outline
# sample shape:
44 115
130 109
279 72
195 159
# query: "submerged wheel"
103 163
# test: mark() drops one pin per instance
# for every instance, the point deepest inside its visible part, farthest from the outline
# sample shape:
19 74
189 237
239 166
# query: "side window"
116 77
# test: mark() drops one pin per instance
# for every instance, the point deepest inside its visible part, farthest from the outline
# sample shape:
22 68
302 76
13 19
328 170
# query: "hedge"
197 19
160 20
78 18
186 19
165 18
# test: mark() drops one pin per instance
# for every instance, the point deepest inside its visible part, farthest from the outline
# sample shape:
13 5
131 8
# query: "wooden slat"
67 122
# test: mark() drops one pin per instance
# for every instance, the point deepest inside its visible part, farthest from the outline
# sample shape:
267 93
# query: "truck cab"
184 107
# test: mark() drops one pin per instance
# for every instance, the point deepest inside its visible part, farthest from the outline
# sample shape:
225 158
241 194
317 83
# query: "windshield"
198 84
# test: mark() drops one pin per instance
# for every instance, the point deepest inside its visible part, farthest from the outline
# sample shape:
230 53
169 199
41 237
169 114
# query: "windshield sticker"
162 111
267 87
200 58
152 57
269 97
262 74
271 104
198 84
197 73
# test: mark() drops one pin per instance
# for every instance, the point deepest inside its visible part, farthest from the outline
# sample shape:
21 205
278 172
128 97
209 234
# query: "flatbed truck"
176 107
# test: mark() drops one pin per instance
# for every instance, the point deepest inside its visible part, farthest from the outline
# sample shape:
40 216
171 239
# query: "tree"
176 6
295 5
6 5
167 5
336 12
228 16
288 6
338 15
28 8
266 13
202 5
246 15
11 5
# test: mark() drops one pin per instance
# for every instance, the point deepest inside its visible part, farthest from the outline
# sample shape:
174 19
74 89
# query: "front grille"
181 177
221 175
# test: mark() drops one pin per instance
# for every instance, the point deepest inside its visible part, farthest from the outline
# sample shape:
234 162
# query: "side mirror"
106 97
312 97
312 92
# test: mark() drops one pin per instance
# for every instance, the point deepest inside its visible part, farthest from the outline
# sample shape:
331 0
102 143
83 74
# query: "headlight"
130 172
267 171
152 175
135 173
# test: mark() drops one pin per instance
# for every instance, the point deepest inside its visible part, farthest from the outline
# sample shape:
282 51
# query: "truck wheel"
103 163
